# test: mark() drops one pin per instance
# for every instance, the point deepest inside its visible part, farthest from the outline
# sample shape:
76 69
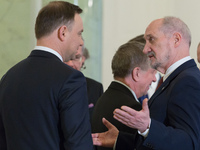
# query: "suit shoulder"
93 82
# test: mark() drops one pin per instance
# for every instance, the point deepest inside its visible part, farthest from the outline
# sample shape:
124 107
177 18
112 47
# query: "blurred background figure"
153 87
94 88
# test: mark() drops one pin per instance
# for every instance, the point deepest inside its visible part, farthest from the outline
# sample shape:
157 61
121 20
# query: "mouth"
151 55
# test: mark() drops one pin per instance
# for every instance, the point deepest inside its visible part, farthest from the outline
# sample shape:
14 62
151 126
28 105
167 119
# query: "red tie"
159 83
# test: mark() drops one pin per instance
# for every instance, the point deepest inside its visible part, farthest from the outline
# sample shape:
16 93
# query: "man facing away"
133 76
43 102
171 119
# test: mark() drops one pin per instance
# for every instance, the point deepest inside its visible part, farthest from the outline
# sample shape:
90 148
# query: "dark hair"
127 57
139 38
53 15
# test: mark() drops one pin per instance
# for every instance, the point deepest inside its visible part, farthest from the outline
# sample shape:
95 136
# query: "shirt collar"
129 89
174 66
48 50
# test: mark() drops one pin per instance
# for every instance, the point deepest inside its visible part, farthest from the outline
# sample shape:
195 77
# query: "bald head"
173 24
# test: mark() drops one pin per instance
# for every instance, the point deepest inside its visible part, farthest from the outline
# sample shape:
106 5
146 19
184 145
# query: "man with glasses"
94 88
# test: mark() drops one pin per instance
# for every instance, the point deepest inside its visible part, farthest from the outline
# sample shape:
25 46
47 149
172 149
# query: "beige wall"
124 19
121 21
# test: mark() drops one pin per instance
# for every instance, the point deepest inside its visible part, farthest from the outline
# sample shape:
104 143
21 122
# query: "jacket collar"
171 77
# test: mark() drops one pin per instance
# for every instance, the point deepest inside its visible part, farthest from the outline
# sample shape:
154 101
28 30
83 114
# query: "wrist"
147 127
145 132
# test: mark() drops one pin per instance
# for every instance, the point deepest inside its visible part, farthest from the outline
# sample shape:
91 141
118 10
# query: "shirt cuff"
114 147
146 132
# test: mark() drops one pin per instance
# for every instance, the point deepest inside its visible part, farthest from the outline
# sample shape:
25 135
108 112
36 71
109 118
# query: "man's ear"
62 32
136 73
177 37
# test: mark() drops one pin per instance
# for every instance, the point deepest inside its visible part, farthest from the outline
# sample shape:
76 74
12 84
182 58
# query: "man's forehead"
156 24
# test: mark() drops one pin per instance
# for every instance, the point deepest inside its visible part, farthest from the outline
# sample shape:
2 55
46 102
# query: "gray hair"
172 24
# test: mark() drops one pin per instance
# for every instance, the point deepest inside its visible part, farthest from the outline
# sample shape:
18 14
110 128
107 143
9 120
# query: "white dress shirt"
168 72
42 48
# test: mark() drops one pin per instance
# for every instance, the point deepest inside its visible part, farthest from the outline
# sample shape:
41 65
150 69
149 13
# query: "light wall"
119 21
17 39
125 19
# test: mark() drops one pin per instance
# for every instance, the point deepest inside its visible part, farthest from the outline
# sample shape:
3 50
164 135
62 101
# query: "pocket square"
90 105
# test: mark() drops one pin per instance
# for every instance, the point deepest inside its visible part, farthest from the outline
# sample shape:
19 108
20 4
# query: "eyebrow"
147 36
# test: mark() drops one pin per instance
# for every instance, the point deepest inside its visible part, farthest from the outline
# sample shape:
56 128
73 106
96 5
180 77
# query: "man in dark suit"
94 91
133 76
43 102
171 121
94 88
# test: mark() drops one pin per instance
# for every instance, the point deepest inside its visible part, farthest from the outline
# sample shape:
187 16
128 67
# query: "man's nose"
146 48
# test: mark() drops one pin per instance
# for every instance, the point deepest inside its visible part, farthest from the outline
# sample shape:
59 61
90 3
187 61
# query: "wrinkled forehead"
153 28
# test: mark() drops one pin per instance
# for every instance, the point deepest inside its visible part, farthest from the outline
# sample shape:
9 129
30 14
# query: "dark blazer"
174 112
94 91
44 106
114 97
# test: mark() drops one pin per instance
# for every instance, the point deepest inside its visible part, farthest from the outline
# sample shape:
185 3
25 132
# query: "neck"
50 43
129 82
176 56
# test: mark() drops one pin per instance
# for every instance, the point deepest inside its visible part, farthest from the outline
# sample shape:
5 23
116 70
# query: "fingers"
129 110
106 139
125 112
119 119
96 141
95 135
107 123
120 115
145 106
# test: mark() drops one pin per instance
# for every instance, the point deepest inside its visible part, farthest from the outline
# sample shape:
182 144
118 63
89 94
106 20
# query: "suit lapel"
170 79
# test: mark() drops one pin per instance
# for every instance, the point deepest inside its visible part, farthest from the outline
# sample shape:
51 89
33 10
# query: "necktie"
142 98
159 83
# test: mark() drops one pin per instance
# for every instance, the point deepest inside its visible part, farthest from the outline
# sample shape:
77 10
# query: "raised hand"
108 138
135 119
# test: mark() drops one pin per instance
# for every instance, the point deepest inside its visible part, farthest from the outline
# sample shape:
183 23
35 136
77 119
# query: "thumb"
145 105
107 123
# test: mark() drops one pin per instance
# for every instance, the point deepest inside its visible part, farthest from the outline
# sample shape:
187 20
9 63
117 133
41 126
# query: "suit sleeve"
181 127
2 136
2 130
74 115
183 119
125 141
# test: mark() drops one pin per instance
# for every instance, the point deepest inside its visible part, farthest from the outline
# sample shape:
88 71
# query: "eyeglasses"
78 59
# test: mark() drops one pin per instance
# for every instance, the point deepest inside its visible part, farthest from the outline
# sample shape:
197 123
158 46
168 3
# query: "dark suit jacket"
174 112
114 97
43 106
94 91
